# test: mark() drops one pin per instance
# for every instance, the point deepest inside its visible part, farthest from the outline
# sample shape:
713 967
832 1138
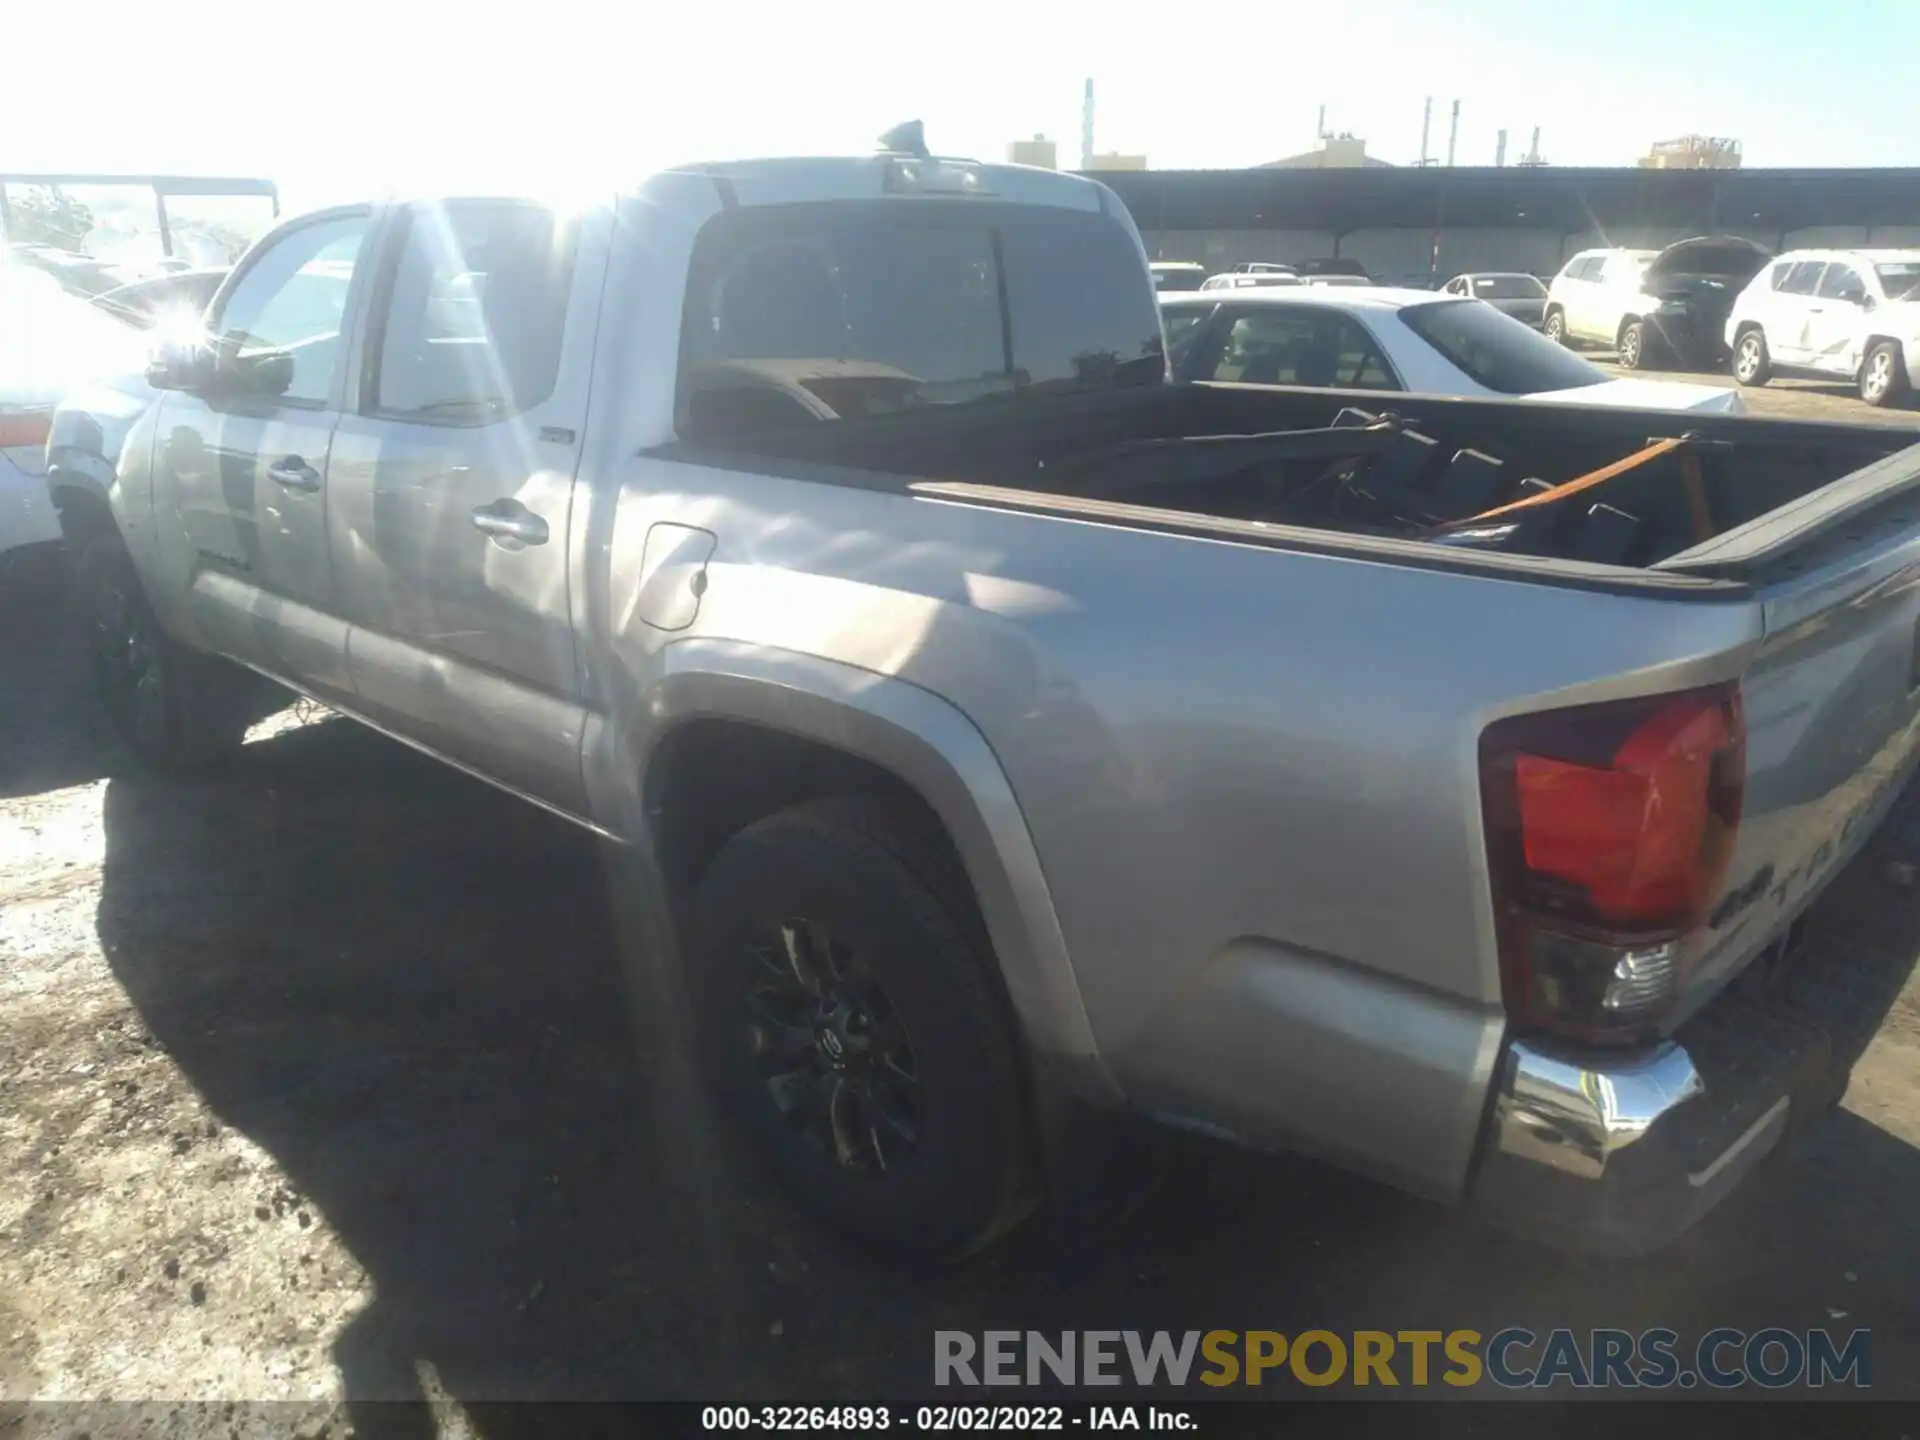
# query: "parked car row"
1171 276
1707 302
1850 315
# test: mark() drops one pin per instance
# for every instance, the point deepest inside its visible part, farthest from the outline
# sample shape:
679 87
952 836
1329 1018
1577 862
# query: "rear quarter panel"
1249 774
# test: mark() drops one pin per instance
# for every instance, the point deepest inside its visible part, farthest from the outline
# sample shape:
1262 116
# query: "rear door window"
1841 282
1277 345
1803 278
476 307
851 311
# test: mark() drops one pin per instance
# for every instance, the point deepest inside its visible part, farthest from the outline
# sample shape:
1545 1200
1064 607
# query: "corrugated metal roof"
1573 200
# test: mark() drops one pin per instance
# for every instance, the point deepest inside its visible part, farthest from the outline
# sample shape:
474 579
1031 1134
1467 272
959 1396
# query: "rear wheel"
1633 345
1883 375
1751 363
842 981
175 708
1554 327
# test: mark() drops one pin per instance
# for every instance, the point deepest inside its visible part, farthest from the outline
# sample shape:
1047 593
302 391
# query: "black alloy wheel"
833 1052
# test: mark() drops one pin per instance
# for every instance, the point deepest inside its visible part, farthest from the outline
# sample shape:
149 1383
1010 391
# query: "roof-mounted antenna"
909 138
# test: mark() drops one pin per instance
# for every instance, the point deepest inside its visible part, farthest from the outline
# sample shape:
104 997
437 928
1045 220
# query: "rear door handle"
293 473
510 520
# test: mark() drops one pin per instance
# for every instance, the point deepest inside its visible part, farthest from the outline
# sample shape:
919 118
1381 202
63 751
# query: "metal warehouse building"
1510 218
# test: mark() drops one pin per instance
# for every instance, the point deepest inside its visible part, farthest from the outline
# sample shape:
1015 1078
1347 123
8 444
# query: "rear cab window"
848 311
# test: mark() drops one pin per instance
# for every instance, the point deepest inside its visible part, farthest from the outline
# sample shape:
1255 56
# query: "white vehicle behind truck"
1849 315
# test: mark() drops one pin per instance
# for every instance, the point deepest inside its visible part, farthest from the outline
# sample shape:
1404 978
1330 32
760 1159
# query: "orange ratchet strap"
1695 484
1581 482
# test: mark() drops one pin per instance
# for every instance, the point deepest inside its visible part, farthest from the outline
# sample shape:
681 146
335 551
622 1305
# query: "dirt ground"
1787 399
318 1082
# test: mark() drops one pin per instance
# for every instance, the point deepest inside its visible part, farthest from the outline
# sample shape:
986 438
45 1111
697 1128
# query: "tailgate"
1831 699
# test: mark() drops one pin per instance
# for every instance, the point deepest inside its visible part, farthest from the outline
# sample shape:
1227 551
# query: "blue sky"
354 95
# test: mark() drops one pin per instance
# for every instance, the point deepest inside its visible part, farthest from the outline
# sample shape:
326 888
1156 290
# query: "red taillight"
24 427
1609 830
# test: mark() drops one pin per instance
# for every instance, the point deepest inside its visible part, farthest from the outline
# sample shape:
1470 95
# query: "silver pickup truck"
1016 735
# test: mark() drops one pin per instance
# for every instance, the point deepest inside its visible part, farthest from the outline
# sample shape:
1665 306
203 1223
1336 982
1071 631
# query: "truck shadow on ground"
403 987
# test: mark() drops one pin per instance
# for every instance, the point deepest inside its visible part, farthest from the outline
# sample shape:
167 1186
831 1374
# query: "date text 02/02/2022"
874 1419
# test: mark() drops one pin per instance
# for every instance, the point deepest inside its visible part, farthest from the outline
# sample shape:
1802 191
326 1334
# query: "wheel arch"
1875 338
81 496
810 727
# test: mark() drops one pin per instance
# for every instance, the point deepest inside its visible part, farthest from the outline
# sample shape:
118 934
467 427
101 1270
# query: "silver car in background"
1511 292
50 342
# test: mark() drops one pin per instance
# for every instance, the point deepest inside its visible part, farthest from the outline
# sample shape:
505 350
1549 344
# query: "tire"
176 709
1554 327
1883 375
1634 346
1752 365
845 1001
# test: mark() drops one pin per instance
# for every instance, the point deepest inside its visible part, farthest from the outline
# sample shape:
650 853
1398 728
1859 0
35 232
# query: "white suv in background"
1654 305
1851 314
1590 298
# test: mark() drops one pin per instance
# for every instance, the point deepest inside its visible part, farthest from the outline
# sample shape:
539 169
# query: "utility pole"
1086 127
1453 133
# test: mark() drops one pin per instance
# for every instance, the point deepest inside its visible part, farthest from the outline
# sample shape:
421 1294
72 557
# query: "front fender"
98 451
919 737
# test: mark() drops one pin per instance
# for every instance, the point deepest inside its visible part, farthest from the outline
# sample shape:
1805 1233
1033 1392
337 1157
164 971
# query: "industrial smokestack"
1500 150
1533 155
1320 125
1426 126
1453 133
1086 127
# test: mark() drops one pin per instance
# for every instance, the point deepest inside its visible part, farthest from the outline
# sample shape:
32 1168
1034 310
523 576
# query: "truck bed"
1301 464
1810 553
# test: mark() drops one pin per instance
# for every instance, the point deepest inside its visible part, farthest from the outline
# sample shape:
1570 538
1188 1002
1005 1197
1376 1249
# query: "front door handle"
293 473
510 520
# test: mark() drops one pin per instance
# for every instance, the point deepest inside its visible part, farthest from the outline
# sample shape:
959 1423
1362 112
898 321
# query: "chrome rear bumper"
1618 1154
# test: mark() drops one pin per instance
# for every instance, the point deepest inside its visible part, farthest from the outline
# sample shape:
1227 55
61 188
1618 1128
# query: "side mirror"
1864 300
180 364
267 373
